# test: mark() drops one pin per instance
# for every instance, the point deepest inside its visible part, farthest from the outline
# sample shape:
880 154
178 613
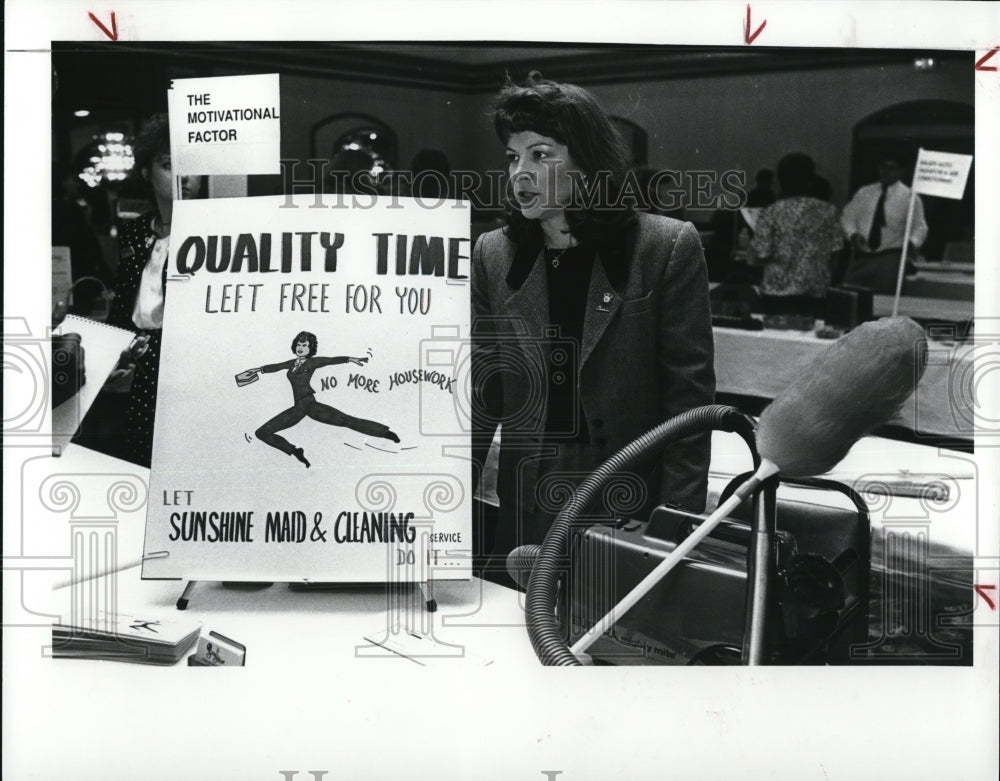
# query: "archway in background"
901 130
353 131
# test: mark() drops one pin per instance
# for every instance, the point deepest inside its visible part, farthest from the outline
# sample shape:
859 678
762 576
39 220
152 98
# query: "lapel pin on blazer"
607 300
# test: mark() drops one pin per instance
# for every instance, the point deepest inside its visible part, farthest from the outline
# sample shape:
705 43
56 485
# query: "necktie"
878 220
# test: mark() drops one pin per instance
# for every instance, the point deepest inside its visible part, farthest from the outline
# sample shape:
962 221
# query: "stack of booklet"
124 638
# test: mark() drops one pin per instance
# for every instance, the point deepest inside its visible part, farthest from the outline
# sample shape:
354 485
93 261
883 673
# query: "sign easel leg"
182 603
427 589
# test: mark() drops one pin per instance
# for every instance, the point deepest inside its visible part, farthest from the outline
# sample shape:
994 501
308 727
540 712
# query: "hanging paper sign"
943 174
308 420
225 125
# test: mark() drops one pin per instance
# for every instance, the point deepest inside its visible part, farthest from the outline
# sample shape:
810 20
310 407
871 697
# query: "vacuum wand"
852 387
767 469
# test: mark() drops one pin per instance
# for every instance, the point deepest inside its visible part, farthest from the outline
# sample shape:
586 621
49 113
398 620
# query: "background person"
430 172
141 286
874 222
763 193
794 240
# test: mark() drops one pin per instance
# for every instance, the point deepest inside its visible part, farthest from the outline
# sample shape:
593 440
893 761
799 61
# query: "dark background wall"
713 110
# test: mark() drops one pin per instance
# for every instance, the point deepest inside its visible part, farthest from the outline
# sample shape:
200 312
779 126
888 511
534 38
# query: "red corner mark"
747 37
982 589
984 58
113 32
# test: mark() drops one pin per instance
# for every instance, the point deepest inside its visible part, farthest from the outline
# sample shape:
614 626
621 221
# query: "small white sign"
943 174
225 125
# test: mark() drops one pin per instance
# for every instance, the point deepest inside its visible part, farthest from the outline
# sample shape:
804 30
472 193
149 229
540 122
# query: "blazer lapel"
530 305
608 283
603 301
530 301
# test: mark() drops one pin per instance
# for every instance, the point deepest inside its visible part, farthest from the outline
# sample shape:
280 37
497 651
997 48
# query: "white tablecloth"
763 363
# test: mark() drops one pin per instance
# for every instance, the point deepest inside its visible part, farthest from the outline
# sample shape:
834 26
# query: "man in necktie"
878 220
875 222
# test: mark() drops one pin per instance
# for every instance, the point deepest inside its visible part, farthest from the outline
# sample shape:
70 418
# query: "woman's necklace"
556 258
298 363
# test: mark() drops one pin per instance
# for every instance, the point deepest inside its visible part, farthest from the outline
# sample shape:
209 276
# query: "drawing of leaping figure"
300 371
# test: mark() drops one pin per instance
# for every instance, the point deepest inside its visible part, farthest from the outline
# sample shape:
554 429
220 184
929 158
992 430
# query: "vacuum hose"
543 628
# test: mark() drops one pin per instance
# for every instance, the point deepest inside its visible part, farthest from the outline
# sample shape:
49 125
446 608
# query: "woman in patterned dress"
139 292
794 240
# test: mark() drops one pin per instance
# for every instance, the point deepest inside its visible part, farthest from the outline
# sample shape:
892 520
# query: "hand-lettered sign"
310 382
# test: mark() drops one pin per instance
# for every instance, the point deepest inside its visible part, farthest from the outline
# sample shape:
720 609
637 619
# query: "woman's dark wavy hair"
305 336
571 116
153 140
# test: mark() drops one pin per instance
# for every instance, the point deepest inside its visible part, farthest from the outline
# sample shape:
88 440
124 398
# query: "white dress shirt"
148 311
858 215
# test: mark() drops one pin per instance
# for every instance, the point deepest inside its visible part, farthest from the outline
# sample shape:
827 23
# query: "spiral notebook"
102 346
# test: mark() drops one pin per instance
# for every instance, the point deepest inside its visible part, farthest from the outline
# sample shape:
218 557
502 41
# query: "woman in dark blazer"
591 322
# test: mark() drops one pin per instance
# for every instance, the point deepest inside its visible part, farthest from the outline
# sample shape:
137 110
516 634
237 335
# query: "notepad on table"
102 347
127 638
